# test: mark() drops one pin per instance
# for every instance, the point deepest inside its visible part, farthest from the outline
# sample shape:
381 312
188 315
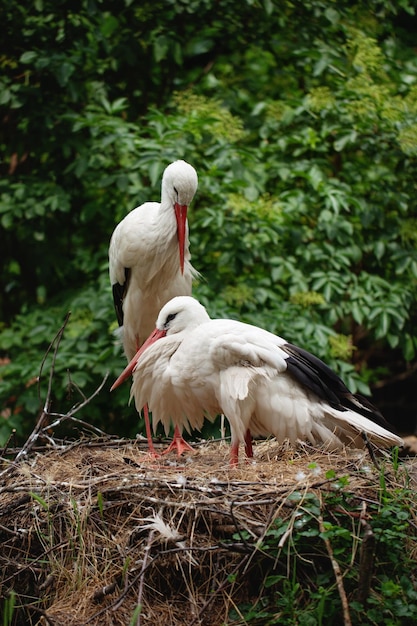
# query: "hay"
93 530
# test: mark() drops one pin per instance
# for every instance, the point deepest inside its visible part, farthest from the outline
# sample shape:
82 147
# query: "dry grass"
89 532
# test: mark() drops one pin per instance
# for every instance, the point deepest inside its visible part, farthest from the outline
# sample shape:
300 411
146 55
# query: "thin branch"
119 600
366 562
368 446
56 339
43 613
104 591
38 430
338 575
30 442
76 420
146 554
72 384
77 407
6 445
240 565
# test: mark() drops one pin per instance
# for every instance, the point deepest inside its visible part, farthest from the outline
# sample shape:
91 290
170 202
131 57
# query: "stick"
338 575
146 553
45 412
6 445
366 561
370 450
77 407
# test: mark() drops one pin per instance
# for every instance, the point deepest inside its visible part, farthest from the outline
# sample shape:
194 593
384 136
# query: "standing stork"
192 366
149 263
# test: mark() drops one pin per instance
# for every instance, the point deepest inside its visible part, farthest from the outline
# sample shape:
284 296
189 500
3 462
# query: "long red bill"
181 216
157 334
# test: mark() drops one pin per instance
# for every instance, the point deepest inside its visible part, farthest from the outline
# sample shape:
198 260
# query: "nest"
99 533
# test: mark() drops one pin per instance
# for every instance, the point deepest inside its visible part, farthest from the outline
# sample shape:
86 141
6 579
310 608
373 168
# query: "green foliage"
9 608
298 581
300 119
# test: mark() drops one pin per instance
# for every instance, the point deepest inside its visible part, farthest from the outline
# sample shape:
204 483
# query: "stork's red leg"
234 450
152 450
248 445
234 454
178 444
153 453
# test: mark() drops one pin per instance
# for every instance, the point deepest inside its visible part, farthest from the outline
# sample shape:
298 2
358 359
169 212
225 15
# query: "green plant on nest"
314 568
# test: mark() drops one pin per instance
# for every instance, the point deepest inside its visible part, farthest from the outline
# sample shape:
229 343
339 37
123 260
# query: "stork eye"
176 191
169 318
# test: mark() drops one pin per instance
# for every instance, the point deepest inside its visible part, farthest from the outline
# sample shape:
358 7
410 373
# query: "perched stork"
149 263
192 366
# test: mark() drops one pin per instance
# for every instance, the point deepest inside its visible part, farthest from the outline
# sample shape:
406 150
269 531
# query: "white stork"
191 367
149 263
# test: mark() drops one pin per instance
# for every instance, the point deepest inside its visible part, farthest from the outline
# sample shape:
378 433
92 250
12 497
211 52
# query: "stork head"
179 184
182 313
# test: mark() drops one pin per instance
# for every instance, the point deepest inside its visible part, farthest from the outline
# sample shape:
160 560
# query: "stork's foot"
179 445
153 453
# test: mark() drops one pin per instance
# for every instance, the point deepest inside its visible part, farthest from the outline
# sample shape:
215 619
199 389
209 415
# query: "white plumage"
192 367
149 258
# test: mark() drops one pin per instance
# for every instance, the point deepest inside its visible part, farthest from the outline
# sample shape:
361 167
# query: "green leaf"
28 57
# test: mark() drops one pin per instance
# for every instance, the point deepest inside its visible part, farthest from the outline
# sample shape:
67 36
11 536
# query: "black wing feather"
314 374
119 292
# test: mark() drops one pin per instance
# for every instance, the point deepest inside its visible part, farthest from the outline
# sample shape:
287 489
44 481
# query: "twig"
104 591
77 407
43 613
45 412
248 547
56 339
240 565
30 565
47 582
370 450
338 575
6 445
146 554
38 430
119 600
63 418
366 562
72 384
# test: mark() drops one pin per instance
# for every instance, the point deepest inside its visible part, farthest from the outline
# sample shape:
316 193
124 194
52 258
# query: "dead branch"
366 564
38 431
146 553
338 575
366 561
45 412
77 407
56 340
6 445
239 566
104 591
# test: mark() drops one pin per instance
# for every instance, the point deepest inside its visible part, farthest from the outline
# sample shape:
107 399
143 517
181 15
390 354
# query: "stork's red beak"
157 334
181 216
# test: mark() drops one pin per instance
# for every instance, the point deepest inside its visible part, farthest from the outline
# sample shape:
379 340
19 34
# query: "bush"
304 222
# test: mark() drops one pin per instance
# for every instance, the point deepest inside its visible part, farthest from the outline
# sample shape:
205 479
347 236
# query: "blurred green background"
301 120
